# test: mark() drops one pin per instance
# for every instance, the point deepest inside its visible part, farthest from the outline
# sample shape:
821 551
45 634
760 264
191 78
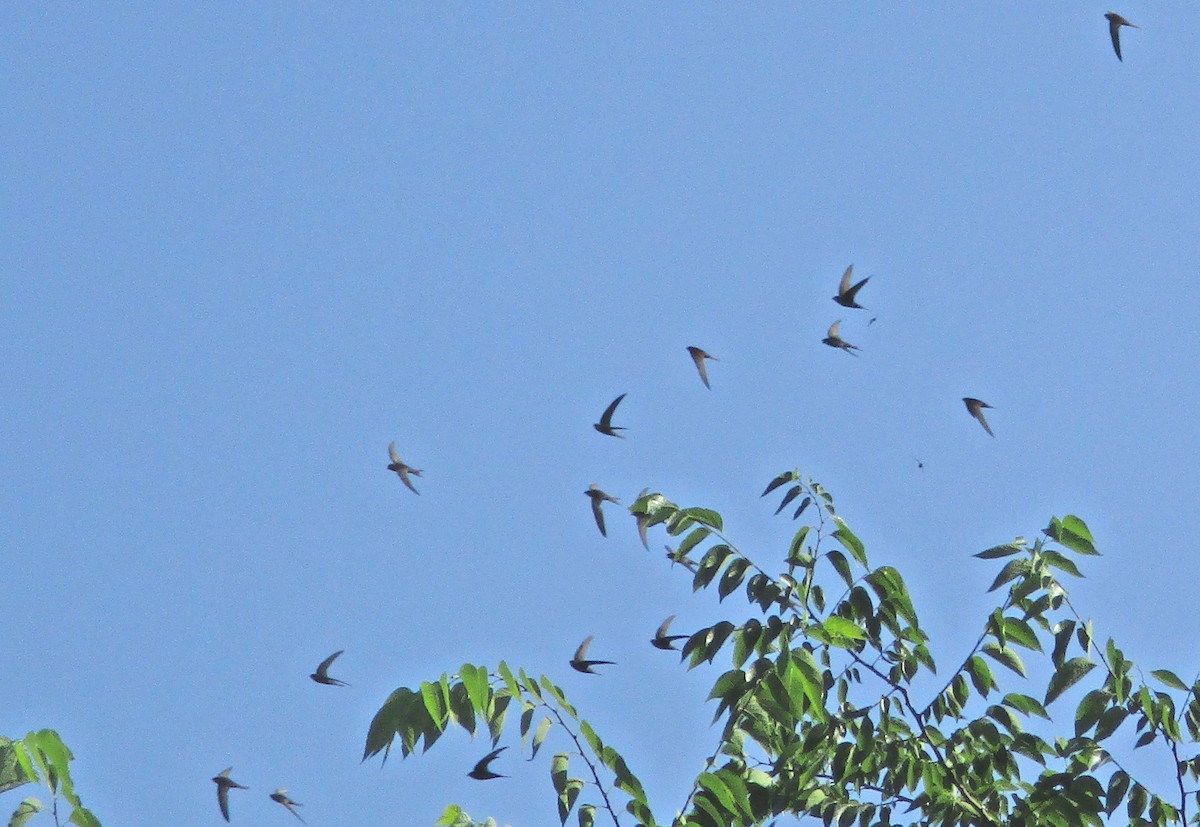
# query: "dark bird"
322 673
598 497
281 796
579 664
481 771
661 639
834 340
605 425
1115 22
873 320
846 294
643 521
976 406
224 785
698 356
401 469
920 464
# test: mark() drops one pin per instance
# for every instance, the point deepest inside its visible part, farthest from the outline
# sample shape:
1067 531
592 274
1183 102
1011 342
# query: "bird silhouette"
976 406
1115 22
643 521
402 469
481 771
605 425
834 340
224 785
579 664
661 639
322 673
281 796
846 294
698 356
598 497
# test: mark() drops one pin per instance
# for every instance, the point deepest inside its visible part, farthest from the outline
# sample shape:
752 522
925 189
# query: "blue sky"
247 245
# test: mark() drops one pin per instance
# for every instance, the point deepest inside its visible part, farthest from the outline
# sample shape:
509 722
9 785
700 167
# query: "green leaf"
694 539
1006 550
720 791
782 479
567 798
587 815
1005 657
1020 633
792 494
841 628
1011 571
1061 562
981 675
804 503
1067 676
732 578
705 516
841 565
559 765
850 542
1073 533
453 816
26 810
83 817
540 735
1169 678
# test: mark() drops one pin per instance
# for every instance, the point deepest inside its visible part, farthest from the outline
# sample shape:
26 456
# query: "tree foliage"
829 704
41 757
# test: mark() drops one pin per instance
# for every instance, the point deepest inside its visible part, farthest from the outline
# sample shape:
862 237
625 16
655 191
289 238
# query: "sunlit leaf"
1169 678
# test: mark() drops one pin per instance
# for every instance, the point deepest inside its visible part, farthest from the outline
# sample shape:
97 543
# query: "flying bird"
834 340
579 664
605 425
976 406
281 796
224 785
402 469
643 521
698 356
661 639
481 771
1115 22
598 497
846 294
322 673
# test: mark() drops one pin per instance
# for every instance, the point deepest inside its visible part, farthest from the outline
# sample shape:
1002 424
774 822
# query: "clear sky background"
244 246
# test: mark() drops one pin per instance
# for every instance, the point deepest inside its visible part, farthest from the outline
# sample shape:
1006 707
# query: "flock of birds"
847 296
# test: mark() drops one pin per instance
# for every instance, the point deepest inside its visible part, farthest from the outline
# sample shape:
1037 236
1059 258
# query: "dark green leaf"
791 494
1006 550
705 516
1067 676
785 477
1006 657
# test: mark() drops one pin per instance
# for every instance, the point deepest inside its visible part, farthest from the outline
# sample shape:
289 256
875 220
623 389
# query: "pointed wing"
845 285
982 421
581 652
323 667
662 629
606 417
1114 31
598 513
223 798
392 453
833 330
404 479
